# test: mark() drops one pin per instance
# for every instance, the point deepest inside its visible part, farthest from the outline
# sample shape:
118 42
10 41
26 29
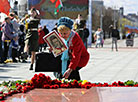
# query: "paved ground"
104 65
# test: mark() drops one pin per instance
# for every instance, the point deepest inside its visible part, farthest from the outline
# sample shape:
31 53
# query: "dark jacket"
7 32
46 31
115 33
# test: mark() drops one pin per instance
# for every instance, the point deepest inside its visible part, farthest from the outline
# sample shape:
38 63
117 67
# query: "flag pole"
90 24
27 5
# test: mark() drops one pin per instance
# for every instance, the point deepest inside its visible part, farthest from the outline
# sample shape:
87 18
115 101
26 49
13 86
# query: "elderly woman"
76 56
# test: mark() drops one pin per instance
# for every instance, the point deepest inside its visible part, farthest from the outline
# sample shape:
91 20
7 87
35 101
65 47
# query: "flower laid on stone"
13 87
43 81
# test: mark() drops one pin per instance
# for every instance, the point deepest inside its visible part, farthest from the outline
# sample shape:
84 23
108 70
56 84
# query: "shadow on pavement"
4 70
8 66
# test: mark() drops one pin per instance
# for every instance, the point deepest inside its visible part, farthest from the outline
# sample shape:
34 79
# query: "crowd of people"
99 37
21 38
18 36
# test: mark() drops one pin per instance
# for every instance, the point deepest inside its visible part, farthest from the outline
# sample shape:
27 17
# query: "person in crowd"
55 28
15 46
99 37
46 31
41 41
1 50
14 22
115 37
21 42
83 31
15 7
79 18
31 40
7 36
76 56
24 22
86 35
77 21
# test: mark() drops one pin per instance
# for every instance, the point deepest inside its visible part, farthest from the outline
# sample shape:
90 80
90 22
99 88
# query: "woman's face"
33 13
65 34
8 20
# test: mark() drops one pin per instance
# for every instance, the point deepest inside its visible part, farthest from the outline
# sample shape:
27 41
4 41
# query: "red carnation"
35 75
17 84
1 92
105 84
24 89
19 87
47 86
75 81
114 84
1 97
14 91
79 85
69 85
52 87
56 86
120 83
9 93
87 86
136 85
63 86
82 86
88 83
93 85
5 94
109 85
24 84
28 83
99 85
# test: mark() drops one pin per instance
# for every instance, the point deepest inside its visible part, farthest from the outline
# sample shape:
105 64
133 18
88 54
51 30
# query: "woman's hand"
49 49
67 73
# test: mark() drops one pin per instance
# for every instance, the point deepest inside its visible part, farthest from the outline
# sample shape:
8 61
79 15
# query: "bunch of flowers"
43 81
13 87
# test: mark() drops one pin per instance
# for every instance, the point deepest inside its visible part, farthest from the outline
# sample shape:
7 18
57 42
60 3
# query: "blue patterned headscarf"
65 55
65 21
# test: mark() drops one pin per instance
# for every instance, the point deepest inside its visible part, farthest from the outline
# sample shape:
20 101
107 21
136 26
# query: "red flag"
52 1
58 6
57 3
4 6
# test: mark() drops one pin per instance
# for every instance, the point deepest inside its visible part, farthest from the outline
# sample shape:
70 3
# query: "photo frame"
55 42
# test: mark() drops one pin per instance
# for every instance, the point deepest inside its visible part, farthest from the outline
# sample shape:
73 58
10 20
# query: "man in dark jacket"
115 37
83 31
46 31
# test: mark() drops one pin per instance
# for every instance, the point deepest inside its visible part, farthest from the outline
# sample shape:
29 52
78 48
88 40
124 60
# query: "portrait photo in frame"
55 42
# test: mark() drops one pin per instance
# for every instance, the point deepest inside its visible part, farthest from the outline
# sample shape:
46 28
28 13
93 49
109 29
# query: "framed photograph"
55 42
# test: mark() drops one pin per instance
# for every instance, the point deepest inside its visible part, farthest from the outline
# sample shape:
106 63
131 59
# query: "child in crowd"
15 46
41 41
21 42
